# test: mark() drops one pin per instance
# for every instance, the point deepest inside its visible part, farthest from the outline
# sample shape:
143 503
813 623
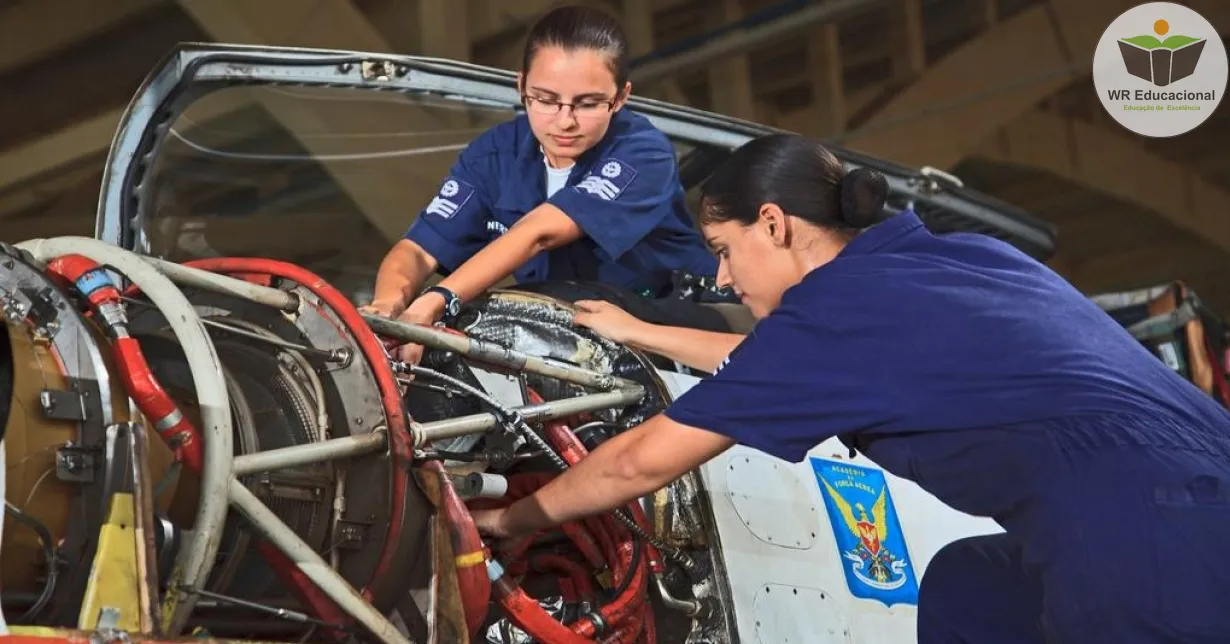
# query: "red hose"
92 281
373 352
154 402
170 423
528 615
575 571
468 553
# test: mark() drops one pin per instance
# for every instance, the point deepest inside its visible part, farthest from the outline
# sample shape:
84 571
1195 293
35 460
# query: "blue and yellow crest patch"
869 539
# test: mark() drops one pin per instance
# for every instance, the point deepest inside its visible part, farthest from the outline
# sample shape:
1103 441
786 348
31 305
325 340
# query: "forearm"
496 261
703 350
608 478
402 274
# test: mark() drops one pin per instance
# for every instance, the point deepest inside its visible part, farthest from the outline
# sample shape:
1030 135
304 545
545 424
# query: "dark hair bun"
863 194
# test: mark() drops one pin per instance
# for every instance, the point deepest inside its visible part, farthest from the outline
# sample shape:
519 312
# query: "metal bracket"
76 463
352 535
382 70
62 405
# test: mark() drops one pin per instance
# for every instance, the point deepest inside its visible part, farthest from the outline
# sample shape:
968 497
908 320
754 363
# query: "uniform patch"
869 540
453 195
608 179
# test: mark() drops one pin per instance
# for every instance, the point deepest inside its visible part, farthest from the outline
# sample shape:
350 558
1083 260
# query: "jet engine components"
288 478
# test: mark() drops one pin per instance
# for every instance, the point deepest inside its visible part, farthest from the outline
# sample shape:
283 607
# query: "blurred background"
995 92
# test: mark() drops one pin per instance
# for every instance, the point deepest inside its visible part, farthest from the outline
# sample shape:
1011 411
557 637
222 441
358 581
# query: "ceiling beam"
83 81
987 82
33 31
85 142
1116 165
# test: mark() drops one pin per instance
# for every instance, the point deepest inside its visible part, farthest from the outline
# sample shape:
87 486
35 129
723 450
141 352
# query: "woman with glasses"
577 188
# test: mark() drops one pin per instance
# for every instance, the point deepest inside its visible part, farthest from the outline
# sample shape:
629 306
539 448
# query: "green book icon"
1158 61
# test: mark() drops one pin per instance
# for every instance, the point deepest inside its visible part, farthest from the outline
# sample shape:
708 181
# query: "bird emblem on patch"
868 532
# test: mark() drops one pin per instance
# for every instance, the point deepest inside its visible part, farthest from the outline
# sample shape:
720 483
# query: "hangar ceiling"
996 91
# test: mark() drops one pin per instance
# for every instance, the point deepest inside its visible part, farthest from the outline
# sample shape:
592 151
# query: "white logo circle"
449 188
1160 69
611 170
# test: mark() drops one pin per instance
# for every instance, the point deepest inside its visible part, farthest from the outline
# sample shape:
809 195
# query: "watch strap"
452 303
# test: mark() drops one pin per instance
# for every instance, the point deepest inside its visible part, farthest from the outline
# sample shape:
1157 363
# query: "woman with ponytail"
959 363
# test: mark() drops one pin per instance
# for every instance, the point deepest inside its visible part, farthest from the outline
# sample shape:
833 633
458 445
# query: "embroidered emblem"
453 195
868 532
610 181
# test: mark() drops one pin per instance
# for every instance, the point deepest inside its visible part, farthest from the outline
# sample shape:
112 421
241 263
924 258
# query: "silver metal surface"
334 448
425 433
312 565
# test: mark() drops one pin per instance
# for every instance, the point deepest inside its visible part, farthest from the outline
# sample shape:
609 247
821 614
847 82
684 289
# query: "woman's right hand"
608 321
381 309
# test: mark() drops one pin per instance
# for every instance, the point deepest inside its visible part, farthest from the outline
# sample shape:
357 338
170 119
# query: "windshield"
328 178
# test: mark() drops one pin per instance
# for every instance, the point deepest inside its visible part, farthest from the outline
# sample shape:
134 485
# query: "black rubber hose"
49 555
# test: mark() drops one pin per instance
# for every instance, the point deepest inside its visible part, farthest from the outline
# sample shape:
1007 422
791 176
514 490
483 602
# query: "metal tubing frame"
481 350
225 284
424 433
311 564
494 353
617 391
308 453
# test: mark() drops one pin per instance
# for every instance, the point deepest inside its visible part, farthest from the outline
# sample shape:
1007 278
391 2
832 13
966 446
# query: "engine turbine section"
226 447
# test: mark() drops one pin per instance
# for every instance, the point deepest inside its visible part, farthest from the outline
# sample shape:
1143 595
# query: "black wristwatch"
452 303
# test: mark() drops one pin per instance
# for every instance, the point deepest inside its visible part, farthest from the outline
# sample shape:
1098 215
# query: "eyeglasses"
584 109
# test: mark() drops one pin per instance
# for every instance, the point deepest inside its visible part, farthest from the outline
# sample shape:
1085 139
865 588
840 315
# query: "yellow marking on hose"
469 559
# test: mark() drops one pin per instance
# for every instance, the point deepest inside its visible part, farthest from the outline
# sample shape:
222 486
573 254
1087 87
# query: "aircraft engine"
281 476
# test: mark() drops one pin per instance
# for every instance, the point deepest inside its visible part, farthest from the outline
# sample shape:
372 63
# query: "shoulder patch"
608 179
453 195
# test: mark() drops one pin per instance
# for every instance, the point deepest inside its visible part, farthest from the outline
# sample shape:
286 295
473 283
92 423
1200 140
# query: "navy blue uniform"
624 193
959 363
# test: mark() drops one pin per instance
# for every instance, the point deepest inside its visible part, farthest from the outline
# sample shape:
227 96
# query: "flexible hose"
629 599
88 278
468 554
49 556
201 550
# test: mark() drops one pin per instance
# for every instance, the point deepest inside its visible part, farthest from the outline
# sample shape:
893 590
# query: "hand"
490 523
382 308
607 320
423 311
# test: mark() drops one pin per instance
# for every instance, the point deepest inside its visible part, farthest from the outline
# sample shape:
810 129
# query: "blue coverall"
624 193
959 363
